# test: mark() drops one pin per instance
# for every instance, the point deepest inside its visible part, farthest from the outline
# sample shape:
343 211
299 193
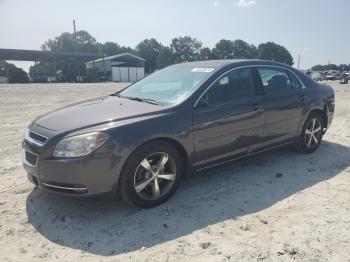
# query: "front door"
227 119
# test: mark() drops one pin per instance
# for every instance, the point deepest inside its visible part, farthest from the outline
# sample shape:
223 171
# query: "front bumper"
94 174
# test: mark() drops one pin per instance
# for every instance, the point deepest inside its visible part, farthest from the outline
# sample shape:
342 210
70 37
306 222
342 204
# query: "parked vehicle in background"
317 76
333 75
66 75
139 142
51 79
348 75
38 78
344 79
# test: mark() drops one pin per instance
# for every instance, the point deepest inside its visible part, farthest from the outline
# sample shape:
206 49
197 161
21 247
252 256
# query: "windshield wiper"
117 94
140 99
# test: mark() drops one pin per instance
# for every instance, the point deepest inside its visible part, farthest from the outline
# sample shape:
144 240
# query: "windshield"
167 86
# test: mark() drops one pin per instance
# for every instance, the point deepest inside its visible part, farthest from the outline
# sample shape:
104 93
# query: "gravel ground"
277 206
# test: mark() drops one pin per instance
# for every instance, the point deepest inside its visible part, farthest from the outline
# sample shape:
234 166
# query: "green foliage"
274 52
325 67
181 49
108 48
18 75
111 48
5 67
242 50
206 54
14 74
165 58
185 49
44 68
149 49
238 49
223 49
81 41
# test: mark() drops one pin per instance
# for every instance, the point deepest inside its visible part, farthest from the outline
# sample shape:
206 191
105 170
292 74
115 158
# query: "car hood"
94 112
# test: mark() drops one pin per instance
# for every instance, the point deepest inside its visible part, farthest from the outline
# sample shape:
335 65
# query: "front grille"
31 158
37 137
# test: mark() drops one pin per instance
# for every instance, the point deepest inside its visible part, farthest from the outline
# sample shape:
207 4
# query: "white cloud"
246 3
216 3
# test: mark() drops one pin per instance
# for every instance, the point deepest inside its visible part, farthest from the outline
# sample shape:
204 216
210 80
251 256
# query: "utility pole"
75 30
104 66
299 61
75 38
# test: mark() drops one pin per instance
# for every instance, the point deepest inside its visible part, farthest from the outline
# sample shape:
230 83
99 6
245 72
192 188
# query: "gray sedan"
138 143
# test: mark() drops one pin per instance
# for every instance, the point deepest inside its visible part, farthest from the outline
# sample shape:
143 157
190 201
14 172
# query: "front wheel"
311 134
151 175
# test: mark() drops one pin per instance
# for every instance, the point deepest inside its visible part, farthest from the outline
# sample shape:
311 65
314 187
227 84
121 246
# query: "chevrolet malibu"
140 142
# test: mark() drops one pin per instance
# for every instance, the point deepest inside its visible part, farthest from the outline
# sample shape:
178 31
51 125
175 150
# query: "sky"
318 30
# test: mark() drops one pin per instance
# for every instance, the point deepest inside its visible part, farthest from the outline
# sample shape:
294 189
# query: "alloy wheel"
313 133
155 176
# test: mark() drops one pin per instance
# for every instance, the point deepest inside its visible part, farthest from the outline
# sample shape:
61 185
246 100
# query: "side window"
235 84
274 80
296 83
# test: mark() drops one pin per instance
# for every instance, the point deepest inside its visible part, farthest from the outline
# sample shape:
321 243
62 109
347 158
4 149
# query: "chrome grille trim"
32 140
66 188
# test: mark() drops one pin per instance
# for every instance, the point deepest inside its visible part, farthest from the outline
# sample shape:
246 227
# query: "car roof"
217 64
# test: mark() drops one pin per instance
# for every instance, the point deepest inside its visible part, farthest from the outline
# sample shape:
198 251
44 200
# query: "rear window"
274 80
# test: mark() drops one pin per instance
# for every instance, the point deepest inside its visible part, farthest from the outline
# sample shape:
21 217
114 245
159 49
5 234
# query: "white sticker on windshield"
202 70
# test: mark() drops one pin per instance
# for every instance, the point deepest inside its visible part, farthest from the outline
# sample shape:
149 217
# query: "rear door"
227 119
283 101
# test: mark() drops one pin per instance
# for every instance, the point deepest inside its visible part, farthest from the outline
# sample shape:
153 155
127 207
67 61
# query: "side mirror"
223 81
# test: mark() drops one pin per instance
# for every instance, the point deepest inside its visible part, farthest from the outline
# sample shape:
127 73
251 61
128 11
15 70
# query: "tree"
17 75
127 49
242 50
109 48
185 49
64 42
274 52
223 49
165 57
325 67
85 42
44 68
206 54
13 73
80 41
149 49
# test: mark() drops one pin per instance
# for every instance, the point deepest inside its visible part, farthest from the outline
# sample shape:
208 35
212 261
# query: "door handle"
303 97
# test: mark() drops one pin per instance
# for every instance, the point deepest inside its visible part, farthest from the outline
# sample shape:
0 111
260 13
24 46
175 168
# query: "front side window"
168 86
234 85
274 80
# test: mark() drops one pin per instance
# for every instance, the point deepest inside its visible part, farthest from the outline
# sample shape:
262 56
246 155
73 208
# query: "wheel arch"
322 112
178 146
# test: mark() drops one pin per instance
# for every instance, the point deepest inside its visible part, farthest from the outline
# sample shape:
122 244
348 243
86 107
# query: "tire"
311 134
147 178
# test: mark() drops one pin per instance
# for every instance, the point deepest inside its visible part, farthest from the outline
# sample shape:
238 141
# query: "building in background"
117 68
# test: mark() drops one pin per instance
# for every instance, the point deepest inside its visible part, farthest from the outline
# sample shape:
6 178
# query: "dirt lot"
278 206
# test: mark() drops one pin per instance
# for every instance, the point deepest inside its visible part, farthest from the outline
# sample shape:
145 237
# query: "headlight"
80 145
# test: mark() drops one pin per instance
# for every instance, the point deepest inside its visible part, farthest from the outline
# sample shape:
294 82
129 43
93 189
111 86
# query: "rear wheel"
151 175
311 134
